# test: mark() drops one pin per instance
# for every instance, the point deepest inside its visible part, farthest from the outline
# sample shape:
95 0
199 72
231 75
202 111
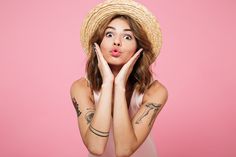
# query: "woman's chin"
115 62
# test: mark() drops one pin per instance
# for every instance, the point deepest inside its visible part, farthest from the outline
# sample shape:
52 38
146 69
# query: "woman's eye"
109 34
128 37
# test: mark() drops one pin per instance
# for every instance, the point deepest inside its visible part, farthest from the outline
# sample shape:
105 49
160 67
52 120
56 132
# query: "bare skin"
94 122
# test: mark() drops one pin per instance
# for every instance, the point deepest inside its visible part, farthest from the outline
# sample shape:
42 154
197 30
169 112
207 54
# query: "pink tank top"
147 149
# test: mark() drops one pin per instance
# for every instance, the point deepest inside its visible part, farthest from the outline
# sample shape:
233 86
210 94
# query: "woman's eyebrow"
127 29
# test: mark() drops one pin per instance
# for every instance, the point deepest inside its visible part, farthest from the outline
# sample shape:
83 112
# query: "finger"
98 51
95 50
135 57
97 54
139 52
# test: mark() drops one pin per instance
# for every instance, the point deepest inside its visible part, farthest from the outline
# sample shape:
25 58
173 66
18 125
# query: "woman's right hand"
106 73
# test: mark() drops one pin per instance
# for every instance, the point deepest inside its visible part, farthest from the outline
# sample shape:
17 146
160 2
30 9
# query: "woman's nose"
117 41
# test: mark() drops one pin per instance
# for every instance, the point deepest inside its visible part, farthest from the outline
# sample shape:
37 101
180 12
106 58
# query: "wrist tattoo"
76 106
97 132
149 107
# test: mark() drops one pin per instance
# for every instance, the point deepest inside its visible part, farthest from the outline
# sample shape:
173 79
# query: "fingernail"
94 47
141 51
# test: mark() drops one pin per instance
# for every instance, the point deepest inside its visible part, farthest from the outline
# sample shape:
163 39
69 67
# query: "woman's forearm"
98 131
124 135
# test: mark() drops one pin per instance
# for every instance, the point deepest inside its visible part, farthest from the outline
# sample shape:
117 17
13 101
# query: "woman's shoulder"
156 84
156 90
80 85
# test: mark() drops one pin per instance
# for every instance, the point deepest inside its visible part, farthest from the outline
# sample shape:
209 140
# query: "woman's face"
118 44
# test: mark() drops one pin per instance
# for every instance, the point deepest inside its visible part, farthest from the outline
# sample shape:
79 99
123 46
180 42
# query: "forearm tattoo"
76 105
97 132
89 115
151 108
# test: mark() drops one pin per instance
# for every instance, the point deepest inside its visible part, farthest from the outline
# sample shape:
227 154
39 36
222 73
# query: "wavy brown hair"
141 74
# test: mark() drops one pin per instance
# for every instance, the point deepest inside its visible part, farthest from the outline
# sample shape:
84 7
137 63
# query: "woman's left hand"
122 77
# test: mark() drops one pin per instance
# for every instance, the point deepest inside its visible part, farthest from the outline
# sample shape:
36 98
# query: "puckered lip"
115 50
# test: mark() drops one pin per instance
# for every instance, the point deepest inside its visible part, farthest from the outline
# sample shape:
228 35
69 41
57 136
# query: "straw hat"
125 7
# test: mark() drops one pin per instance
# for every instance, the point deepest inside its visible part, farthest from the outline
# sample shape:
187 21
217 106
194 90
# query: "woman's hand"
125 71
107 75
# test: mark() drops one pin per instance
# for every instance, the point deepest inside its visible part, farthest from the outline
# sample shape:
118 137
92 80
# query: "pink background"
41 55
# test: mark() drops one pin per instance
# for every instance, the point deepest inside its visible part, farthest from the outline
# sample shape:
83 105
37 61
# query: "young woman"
118 100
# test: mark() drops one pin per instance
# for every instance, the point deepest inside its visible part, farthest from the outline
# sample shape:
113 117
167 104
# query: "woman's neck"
115 69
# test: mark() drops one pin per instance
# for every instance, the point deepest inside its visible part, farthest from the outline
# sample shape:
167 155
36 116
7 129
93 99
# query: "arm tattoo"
149 107
76 105
89 115
97 132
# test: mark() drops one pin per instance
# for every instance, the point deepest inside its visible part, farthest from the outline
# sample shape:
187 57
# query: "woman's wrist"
108 79
120 87
107 83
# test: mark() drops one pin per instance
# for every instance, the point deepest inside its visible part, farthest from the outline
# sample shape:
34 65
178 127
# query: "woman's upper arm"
154 99
82 99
